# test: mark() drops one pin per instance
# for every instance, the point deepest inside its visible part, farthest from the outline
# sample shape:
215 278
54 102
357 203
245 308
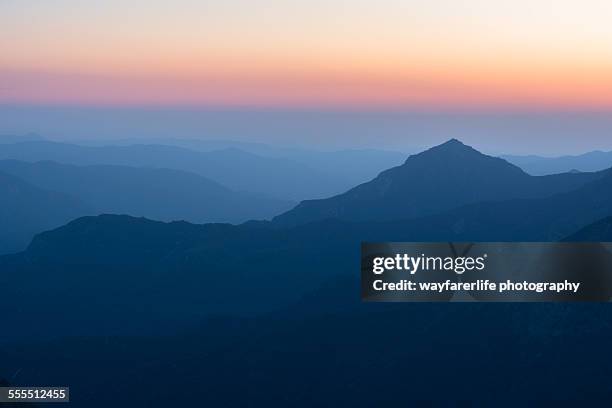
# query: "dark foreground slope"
118 274
159 194
439 179
321 346
415 355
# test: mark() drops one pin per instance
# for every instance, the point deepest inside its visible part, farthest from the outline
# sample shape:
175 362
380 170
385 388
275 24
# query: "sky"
507 76
383 54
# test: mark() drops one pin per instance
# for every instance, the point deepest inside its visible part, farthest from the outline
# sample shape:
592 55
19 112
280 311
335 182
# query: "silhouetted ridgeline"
353 166
444 177
536 165
159 194
44 195
233 168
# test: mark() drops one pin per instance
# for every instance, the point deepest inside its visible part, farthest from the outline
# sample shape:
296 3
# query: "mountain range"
157 275
444 177
159 194
74 191
264 312
537 165
233 168
351 165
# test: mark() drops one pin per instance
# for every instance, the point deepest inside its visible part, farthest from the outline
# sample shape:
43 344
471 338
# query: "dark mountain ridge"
351 165
233 168
439 179
159 194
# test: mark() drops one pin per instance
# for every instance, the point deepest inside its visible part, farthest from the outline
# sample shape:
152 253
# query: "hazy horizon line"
516 132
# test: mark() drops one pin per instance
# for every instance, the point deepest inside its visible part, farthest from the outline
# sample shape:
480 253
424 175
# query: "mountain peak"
452 145
452 149
453 142
446 176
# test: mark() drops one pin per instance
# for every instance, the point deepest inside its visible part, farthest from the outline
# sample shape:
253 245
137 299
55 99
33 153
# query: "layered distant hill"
233 168
26 210
354 166
439 179
537 165
159 194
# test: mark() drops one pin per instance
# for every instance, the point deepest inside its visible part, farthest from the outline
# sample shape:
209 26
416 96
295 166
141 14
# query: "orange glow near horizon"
458 54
